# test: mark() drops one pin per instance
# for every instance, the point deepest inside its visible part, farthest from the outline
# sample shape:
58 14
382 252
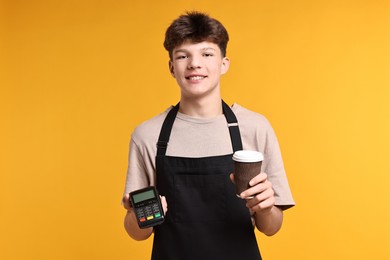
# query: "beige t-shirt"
198 137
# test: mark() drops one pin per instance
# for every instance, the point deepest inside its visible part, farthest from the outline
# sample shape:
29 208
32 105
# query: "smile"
195 77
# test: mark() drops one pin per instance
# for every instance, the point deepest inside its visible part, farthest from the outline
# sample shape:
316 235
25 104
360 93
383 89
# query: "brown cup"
247 164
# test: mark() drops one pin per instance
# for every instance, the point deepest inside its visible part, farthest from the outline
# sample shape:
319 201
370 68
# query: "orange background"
76 77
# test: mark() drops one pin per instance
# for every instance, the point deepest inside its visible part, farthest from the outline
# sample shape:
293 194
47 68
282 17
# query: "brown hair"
195 27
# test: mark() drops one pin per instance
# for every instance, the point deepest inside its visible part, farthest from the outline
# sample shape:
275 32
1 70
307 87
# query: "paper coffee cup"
247 164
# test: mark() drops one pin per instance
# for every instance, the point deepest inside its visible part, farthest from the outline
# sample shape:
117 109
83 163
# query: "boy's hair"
195 27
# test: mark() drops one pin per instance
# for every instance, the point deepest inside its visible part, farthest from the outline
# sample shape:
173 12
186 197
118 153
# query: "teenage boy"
186 152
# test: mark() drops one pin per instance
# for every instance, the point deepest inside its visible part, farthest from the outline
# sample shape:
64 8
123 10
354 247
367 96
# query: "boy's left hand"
260 197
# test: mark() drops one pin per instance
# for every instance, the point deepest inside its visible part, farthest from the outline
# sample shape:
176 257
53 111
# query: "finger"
257 189
258 178
260 198
264 205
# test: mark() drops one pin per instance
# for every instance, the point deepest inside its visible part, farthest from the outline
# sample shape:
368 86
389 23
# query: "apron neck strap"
165 132
234 130
166 128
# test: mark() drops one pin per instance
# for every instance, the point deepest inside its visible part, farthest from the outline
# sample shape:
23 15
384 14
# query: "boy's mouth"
197 77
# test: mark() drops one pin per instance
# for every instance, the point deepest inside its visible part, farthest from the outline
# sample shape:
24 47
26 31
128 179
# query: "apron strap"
165 132
166 128
234 130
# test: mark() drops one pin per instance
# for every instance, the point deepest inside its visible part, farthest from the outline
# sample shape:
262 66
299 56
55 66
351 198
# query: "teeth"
196 78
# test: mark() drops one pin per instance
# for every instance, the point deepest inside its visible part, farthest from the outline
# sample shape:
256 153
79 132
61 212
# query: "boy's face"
197 68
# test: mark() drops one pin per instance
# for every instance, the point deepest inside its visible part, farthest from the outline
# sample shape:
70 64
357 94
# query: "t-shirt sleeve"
258 134
141 170
274 167
139 173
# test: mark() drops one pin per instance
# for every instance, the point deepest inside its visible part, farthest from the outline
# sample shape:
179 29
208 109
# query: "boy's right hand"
127 205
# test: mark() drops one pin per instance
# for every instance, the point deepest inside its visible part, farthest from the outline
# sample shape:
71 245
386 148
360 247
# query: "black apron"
205 219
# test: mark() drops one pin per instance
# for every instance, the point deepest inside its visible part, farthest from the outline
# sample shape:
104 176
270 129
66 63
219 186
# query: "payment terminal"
147 207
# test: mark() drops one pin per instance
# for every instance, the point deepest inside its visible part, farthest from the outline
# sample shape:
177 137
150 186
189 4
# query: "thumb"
164 204
126 202
232 177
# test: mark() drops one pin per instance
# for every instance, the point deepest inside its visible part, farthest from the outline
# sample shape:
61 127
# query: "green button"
157 215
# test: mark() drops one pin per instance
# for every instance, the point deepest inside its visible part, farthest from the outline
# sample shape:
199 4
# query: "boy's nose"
194 63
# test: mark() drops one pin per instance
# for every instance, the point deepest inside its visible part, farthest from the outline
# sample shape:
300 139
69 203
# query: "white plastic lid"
248 156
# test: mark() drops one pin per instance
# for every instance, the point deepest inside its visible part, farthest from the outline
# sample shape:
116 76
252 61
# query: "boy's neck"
202 108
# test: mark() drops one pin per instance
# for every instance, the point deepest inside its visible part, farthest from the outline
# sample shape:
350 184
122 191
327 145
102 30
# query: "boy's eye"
208 54
180 57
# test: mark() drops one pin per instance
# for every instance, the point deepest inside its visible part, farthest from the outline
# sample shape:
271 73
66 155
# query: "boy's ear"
171 69
225 65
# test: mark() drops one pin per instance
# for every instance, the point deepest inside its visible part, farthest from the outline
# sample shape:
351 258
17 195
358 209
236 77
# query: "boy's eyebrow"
208 49
180 50
203 49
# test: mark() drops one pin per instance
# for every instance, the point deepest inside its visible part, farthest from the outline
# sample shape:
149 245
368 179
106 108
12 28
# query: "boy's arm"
269 222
